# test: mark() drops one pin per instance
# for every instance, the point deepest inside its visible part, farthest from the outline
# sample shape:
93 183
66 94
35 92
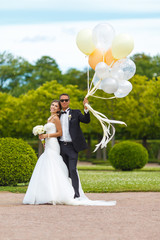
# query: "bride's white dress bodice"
51 143
50 127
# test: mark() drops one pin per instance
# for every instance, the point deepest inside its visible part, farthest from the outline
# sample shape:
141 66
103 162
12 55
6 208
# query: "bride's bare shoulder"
56 119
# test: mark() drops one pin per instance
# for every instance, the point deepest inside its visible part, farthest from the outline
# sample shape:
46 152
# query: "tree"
77 77
146 65
14 72
34 107
8 115
45 70
18 76
140 109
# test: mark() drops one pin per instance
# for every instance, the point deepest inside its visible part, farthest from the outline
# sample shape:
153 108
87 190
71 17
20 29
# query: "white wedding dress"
50 182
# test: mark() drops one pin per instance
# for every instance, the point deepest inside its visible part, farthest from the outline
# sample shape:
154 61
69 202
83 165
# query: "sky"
34 28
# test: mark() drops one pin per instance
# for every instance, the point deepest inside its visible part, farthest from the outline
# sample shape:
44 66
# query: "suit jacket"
78 140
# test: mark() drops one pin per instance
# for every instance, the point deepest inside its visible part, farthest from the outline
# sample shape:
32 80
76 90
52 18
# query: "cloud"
58 39
39 38
69 30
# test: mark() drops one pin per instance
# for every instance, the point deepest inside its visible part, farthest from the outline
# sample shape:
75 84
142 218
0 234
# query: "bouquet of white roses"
39 129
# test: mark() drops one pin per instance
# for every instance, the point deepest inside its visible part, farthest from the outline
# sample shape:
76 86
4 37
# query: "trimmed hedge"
17 161
128 155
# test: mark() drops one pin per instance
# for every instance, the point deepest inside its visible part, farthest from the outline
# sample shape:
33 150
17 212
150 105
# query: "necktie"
63 112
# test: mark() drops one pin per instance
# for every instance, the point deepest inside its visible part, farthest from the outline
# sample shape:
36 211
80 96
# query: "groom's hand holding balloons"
84 102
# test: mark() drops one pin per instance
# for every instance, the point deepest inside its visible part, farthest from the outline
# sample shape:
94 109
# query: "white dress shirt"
66 137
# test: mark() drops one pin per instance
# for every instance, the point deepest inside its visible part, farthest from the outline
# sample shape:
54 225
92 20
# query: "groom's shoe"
76 196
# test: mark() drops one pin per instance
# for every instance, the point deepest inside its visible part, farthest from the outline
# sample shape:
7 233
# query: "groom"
72 140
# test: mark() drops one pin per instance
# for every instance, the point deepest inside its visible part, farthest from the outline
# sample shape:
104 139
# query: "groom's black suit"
75 131
69 151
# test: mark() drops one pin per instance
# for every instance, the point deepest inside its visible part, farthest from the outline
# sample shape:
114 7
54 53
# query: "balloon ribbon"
107 136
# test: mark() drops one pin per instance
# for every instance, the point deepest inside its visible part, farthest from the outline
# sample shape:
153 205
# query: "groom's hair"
64 94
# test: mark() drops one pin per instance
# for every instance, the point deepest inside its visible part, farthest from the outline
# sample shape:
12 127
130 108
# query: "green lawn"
17 189
97 178
110 168
114 181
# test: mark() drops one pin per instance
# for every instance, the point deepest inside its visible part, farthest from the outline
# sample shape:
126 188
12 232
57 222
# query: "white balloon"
96 80
109 85
125 87
103 35
102 70
127 66
118 74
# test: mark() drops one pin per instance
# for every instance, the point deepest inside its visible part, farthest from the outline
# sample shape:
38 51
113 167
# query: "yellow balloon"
122 46
84 41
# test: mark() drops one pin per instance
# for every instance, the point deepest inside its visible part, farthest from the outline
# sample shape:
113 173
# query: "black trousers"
70 157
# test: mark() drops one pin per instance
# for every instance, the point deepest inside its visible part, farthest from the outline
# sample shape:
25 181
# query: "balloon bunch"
107 56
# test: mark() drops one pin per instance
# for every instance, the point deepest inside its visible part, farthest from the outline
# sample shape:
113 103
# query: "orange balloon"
108 58
95 57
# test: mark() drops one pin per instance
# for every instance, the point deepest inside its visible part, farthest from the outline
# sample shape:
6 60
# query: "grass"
101 178
15 189
95 168
114 181
110 168
98 178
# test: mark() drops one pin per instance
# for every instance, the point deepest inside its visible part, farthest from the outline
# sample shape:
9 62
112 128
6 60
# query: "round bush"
128 155
17 161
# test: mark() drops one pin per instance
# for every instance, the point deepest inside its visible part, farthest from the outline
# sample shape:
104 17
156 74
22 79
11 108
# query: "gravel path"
135 217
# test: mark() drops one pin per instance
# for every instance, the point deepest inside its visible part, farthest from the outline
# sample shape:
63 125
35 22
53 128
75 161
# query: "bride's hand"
42 136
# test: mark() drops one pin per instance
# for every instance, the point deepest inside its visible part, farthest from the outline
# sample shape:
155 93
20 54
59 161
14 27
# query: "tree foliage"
141 109
77 77
18 76
146 65
20 115
14 73
28 89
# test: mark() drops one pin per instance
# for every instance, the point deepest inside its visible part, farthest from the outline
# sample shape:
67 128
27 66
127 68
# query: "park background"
39 60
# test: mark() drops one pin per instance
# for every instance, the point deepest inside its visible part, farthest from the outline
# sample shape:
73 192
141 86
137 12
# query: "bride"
50 182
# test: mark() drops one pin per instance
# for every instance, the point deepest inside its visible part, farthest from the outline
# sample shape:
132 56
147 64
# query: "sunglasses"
64 100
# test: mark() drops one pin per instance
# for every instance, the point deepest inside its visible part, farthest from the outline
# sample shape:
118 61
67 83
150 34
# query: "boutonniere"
69 117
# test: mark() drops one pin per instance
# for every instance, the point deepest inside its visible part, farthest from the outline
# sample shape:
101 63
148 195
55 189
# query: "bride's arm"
58 127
